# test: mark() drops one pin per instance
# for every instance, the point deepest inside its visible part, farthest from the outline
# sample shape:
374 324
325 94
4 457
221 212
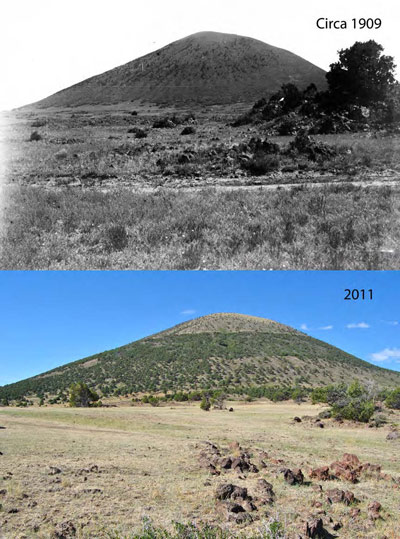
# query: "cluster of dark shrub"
180 396
80 395
169 122
356 402
362 94
260 157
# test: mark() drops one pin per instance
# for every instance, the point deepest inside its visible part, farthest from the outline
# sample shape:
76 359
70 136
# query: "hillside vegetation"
219 351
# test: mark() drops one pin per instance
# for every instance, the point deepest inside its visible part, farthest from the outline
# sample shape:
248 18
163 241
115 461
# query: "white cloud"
392 322
188 311
304 327
387 353
359 325
326 328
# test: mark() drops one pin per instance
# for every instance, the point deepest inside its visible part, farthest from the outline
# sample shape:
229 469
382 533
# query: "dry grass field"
105 189
119 465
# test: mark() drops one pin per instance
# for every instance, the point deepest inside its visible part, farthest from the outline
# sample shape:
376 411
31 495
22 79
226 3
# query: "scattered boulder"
322 473
224 491
165 123
240 493
293 477
234 502
230 409
306 145
62 154
92 490
65 530
354 512
343 473
225 463
188 130
35 137
314 528
232 507
393 435
54 470
350 459
336 495
297 419
266 492
249 506
228 491
374 509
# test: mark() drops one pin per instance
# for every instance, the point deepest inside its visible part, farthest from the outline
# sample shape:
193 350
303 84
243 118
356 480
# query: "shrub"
38 123
62 154
218 401
288 126
188 130
80 395
378 420
393 399
354 410
319 394
140 133
166 123
325 414
116 237
262 164
205 404
35 136
355 390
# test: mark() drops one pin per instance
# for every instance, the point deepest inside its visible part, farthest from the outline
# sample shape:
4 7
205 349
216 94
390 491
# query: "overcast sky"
48 319
47 45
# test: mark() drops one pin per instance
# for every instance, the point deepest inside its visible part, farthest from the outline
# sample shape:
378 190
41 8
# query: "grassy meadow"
108 190
118 466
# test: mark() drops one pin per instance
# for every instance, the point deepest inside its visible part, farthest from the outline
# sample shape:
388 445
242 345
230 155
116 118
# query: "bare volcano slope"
218 350
204 68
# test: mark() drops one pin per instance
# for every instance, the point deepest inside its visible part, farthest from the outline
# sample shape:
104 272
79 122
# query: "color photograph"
200 404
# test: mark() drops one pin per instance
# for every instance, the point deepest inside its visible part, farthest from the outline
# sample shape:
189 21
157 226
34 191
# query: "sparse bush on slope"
393 399
80 395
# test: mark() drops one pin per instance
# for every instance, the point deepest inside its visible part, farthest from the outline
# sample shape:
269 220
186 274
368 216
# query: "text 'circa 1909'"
324 23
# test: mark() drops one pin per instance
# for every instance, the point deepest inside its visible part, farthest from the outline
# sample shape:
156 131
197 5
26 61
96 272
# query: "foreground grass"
148 470
71 199
335 227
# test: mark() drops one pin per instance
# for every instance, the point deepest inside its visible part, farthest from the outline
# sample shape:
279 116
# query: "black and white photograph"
199 269
199 135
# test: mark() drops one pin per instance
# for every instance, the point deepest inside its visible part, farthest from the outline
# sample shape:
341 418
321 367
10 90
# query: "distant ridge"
203 68
213 351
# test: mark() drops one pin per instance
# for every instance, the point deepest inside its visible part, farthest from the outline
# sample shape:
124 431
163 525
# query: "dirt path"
219 184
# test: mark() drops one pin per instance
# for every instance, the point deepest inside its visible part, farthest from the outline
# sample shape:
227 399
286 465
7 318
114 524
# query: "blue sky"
51 318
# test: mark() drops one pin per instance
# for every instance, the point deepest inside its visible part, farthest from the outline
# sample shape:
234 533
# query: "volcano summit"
205 68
